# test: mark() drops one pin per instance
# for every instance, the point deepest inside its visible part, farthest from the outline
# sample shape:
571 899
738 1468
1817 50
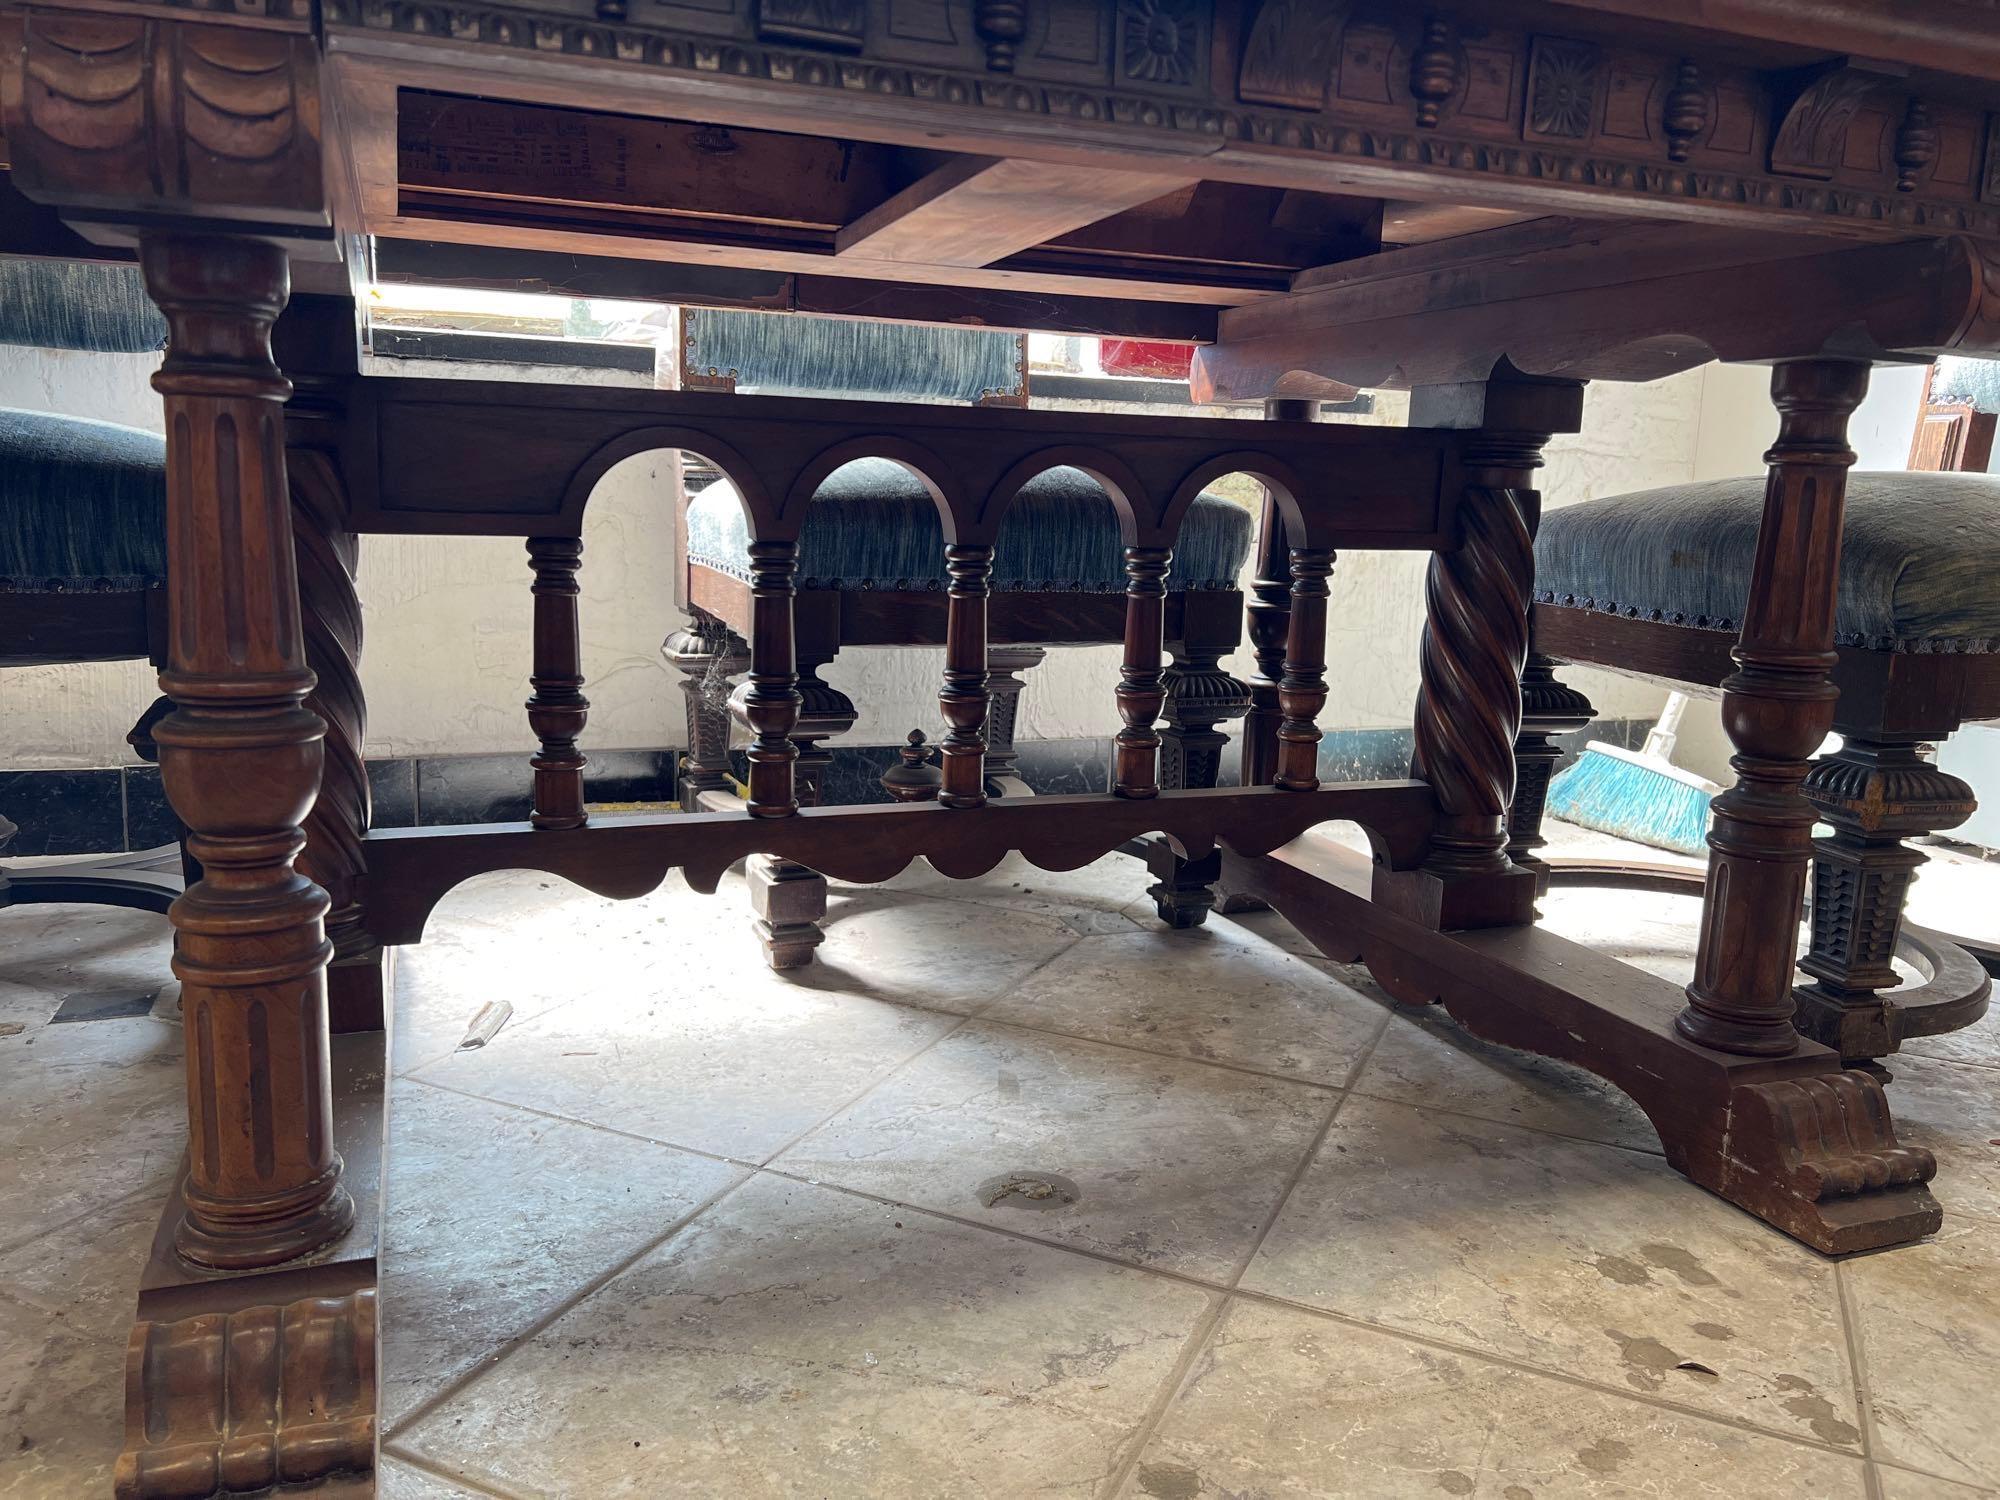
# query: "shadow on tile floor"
982 1207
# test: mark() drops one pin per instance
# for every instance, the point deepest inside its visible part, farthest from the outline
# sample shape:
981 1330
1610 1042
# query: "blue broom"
1638 795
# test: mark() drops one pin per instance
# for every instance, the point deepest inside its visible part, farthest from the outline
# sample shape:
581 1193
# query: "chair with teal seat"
1653 585
82 538
871 572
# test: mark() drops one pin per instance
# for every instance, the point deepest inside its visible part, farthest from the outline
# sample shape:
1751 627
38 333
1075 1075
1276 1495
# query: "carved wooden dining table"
1484 202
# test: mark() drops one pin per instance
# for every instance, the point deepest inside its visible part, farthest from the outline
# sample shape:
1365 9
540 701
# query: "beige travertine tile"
66 1306
1597 1262
1088 899
1903 1484
496 1216
396 1480
1286 1406
1927 1322
1952 1110
93 1111
940 955
795 1341
1427 1058
677 1059
1153 1160
1232 998
59 948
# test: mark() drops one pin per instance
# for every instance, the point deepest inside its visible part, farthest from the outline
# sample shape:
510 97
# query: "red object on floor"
1156 361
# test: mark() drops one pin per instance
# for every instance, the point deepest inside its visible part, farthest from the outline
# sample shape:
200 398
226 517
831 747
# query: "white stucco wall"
446 663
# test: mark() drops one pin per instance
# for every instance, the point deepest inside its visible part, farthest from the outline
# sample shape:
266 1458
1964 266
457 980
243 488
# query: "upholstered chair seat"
82 506
872 525
1918 559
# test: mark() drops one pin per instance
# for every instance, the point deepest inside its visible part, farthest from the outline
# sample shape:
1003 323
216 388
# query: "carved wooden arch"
1284 482
922 464
1126 490
752 492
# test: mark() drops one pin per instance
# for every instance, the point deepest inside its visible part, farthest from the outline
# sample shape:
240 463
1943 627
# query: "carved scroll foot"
235 1403
1818 1158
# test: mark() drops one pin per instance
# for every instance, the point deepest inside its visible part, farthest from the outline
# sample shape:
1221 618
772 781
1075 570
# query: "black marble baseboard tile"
149 821
500 788
64 812
392 793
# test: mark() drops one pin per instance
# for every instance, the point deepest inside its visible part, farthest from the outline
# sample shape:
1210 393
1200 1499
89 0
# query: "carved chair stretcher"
238 145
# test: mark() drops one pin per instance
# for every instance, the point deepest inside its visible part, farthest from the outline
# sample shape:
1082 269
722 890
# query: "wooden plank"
1635 303
975 210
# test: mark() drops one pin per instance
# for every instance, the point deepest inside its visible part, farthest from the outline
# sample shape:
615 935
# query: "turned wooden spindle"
557 710
1776 708
771 697
1268 619
1302 689
240 759
963 698
1141 691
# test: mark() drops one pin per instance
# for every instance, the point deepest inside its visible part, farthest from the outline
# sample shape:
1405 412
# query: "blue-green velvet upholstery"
1919 561
1973 381
56 304
83 505
873 526
776 354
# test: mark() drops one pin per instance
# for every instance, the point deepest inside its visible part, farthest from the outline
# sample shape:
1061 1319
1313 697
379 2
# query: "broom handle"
1660 738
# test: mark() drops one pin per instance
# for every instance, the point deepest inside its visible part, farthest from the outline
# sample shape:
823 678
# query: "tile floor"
973 1208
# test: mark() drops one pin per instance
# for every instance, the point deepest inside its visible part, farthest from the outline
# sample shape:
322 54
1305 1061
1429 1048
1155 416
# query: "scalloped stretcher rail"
411 869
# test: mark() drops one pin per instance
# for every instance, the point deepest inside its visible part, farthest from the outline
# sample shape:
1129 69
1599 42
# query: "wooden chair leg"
709 656
1776 707
1005 666
1875 794
1199 696
1548 708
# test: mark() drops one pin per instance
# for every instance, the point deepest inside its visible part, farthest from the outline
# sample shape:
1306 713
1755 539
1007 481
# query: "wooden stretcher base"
1800 1142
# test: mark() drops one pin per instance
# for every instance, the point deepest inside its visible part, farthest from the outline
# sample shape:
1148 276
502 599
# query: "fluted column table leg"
240 757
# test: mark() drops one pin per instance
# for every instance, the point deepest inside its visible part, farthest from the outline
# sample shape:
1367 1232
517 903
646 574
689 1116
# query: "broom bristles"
1630 797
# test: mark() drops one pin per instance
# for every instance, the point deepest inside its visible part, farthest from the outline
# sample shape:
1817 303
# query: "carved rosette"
1469 705
241 1402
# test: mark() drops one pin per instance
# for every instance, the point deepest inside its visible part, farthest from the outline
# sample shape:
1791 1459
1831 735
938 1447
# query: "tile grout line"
425 1464
1311 1155
1346 1320
484 1366
1864 1405
595 1285
173 1188
1204 1331
1198 1339
747 1163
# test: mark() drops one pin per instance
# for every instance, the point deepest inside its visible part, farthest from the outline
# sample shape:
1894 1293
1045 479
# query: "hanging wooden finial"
1685 116
1916 145
1434 72
1001 24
